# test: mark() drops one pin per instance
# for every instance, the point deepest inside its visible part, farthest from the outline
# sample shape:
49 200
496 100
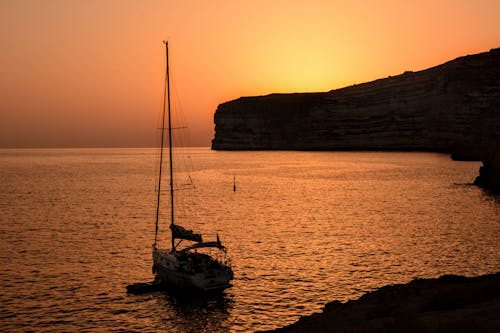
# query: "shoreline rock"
489 173
450 303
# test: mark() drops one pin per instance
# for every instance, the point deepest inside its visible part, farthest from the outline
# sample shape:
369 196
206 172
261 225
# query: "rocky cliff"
453 107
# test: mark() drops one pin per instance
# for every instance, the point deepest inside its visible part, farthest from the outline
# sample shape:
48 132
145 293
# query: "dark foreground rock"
447 304
452 108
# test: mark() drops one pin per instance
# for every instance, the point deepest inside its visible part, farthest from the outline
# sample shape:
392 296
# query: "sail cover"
183 233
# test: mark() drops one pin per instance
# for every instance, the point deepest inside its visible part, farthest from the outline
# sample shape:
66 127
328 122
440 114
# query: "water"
303 228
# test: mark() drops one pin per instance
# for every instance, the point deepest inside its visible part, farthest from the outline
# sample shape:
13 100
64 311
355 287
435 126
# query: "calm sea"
303 228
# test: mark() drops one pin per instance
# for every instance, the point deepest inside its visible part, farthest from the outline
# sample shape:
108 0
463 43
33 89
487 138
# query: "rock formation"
447 304
489 173
453 107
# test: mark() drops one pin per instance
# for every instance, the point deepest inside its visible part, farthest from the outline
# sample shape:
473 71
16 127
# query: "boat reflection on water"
196 312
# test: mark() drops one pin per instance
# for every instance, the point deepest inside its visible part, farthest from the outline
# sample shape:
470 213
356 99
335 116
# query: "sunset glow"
90 73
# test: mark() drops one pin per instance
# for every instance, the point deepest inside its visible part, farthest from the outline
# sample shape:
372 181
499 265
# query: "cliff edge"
453 108
448 304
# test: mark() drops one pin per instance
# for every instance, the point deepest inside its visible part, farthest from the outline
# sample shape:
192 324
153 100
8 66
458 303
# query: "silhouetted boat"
185 267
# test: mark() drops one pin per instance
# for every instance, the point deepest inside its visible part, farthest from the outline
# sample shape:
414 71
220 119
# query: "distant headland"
452 108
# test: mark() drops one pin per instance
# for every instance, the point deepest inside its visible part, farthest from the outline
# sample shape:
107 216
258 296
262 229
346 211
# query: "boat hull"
176 272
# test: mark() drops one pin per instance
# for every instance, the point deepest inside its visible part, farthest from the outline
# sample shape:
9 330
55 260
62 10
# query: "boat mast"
170 147
162 144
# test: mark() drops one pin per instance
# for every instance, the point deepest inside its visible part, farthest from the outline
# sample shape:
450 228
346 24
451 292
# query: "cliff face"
453 107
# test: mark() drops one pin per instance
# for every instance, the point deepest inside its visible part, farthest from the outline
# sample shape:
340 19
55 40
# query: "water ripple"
303 229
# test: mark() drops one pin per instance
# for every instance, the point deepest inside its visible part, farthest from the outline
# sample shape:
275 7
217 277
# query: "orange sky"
90 73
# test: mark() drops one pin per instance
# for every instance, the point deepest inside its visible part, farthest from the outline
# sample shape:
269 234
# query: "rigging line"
161 147
181 148
170 147
183 136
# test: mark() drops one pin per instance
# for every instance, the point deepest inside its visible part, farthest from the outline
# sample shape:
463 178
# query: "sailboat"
186 267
